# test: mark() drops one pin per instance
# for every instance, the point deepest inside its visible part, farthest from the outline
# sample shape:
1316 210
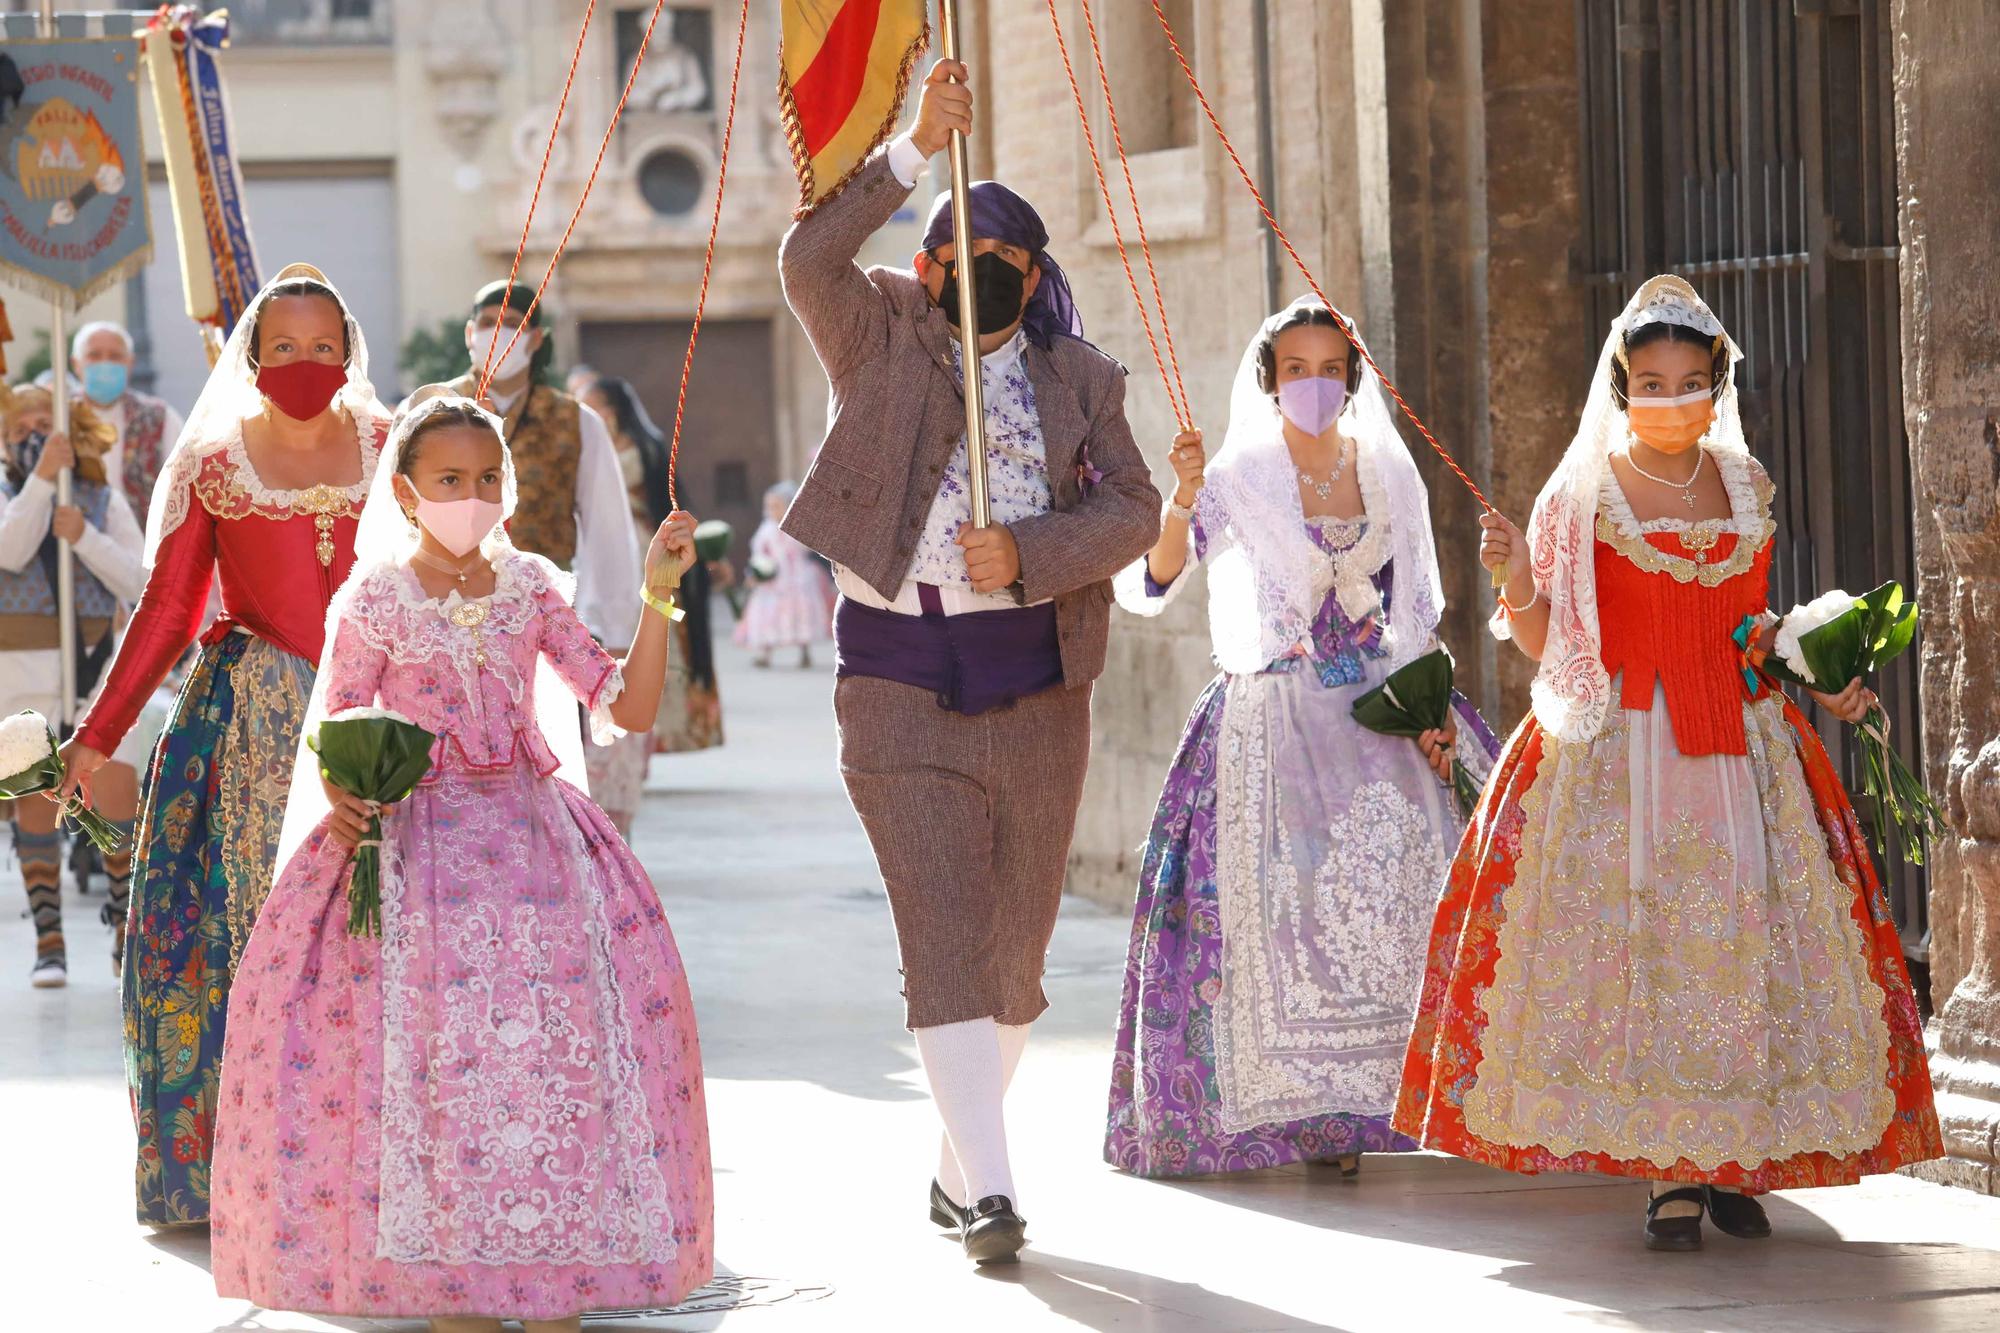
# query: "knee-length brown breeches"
970 819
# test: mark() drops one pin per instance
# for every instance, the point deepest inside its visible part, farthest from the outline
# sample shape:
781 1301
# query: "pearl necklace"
1686 488
1324 489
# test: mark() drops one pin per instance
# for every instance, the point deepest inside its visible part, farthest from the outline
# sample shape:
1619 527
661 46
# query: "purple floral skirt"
1165 1110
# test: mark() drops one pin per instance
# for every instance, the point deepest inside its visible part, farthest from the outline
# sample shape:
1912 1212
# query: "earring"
411 515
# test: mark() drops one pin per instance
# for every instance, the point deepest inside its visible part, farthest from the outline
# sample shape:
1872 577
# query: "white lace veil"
230 397
1571 693
1261 577
385 538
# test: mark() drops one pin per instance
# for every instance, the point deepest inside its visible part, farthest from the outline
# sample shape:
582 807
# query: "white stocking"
968 1072
1013 1041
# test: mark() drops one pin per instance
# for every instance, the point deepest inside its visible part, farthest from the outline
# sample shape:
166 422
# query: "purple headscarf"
1001 215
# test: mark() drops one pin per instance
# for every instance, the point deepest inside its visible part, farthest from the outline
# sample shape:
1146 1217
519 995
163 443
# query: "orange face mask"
1672 425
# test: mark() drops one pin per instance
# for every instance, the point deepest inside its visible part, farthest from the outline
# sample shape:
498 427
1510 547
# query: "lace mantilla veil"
1261 578
1571 694
384 538
230 397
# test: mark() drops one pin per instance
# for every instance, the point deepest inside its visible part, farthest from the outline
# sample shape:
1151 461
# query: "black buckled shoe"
944 1212
1738 1215
1674 1233
993 1233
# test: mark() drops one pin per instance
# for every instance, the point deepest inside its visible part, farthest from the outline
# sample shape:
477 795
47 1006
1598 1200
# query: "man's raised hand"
946 106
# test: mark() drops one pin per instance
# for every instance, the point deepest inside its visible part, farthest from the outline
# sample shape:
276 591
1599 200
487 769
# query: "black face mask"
999 292
28 452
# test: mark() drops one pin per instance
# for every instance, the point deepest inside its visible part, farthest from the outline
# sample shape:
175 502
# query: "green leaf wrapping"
378 759
1414 699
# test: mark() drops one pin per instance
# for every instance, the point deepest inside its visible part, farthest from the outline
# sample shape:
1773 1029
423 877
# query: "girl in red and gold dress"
1662 951
263 489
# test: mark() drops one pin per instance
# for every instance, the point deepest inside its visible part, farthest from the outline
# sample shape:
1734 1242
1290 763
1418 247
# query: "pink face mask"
459 525
1312 404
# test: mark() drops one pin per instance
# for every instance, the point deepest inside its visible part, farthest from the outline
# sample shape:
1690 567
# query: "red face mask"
302 389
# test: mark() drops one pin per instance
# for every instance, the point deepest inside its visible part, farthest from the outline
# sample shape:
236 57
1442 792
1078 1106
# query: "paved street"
824 1143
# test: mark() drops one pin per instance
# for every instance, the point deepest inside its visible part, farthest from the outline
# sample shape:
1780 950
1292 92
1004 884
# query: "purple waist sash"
973 663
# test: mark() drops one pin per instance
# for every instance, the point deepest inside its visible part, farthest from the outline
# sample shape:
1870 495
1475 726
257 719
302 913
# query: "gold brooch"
471 615
325 503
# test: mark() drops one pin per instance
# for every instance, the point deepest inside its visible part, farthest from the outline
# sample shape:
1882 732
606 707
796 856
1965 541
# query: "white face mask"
514 363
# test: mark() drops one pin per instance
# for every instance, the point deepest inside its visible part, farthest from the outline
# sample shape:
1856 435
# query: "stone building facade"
1452 172
1948 151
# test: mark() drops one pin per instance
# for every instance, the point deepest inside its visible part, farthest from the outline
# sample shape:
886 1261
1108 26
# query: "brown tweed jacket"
898 414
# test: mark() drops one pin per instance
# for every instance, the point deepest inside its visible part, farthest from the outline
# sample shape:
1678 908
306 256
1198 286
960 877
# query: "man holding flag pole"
975 518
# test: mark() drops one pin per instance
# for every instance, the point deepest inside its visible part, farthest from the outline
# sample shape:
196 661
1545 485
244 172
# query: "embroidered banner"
843 70
218 261
73 217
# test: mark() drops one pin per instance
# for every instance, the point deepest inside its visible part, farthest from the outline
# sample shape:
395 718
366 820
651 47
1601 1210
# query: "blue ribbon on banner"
236 273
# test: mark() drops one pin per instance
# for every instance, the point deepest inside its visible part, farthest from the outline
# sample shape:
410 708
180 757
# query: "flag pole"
65 559
968 304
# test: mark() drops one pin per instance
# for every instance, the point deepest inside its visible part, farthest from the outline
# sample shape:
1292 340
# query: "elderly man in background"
100 357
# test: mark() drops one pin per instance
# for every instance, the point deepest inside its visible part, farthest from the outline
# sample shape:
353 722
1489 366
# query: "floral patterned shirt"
1017 476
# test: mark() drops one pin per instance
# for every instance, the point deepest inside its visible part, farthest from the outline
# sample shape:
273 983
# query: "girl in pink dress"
791 598
495 1109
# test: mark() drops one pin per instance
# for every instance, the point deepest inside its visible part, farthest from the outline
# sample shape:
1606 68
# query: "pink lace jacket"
464 669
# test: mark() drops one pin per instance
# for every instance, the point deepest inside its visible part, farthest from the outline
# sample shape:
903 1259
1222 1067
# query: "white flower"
365 714
1803 620
24 742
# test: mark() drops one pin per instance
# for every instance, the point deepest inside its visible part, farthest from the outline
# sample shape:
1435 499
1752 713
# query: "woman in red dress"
1662 951
263 489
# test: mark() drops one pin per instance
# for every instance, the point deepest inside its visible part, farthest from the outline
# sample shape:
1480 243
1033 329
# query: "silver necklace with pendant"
1324 489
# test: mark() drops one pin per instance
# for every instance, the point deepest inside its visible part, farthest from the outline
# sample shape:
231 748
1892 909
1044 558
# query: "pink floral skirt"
495 1109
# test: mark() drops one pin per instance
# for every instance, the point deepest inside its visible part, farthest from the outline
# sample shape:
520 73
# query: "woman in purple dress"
1295 857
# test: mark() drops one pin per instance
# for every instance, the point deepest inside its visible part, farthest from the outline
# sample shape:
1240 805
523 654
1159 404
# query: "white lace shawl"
1265 570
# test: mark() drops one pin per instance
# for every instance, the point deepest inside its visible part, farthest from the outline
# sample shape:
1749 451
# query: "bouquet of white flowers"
379 756
1836 638
31 765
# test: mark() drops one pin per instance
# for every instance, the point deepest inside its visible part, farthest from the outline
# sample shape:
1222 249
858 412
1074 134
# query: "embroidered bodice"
1339 642
464 669
279 555
1344 630
1670 592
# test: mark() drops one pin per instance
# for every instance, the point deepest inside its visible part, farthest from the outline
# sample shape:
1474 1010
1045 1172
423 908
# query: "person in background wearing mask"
100 356
573 507
108 544
264 487
691 707
966 655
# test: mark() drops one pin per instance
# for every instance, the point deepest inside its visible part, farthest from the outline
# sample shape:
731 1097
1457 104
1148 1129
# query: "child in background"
791 597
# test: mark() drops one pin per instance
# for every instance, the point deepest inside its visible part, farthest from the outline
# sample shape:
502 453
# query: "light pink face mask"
458 525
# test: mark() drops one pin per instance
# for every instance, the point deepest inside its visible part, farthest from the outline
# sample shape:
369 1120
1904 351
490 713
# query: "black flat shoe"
944 1212
993 1232
1738 1215
1674 1233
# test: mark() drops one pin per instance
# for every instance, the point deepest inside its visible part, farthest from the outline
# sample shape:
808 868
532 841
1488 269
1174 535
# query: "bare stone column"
1948 161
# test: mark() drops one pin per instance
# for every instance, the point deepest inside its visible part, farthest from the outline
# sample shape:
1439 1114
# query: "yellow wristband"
665 608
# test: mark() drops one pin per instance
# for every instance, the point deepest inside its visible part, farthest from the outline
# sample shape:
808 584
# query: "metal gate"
1749 145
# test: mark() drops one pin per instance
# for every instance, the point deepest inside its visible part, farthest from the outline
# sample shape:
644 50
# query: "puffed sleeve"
353 669
163 625
591 673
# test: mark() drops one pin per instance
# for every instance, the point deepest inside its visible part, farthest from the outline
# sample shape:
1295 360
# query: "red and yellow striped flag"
844 68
